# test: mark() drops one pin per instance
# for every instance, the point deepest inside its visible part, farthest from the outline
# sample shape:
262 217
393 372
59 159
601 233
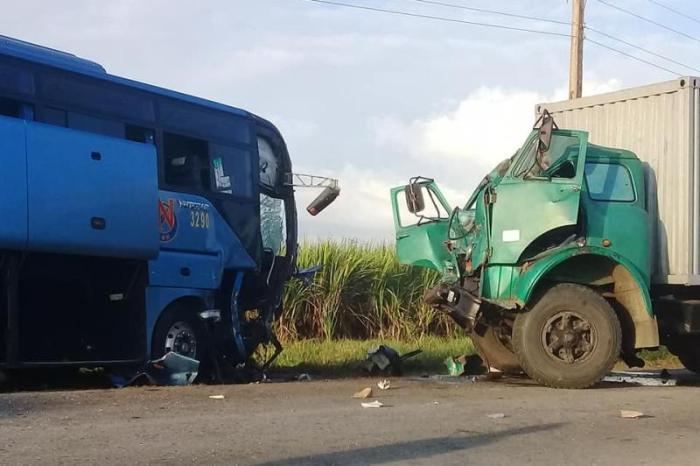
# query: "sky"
367 97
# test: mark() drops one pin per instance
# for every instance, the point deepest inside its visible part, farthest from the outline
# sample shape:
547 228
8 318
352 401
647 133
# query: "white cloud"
483 129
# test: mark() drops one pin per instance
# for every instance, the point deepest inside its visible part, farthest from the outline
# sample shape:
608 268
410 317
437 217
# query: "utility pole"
576 54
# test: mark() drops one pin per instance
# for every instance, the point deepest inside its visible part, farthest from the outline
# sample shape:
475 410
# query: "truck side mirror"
323 200
414 198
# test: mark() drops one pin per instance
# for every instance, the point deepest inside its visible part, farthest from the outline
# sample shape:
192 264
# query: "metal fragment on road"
373 404
648 379
216 397
628 414
496 415
364 393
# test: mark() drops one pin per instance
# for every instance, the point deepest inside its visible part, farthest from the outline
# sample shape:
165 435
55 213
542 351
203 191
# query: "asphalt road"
318 422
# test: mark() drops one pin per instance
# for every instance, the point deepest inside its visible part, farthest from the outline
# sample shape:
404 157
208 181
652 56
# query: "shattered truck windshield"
556 161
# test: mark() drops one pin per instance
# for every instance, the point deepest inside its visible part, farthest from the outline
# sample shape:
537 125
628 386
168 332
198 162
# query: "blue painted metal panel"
190 223
56 58
185 270
48 56
77 180
13 184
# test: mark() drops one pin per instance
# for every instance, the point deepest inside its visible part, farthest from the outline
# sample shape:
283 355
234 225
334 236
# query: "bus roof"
69 62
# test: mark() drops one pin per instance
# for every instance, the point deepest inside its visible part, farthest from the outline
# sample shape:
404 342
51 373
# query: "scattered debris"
171 369
449 378
304 377
650 379
627 414
373 404
384 384
216 397
466 365
384 359
364 393
496 415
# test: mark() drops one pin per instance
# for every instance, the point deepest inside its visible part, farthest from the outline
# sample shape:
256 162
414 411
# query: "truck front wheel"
570 338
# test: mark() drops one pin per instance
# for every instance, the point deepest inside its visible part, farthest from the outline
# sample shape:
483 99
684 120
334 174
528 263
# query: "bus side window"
186 162
231 170
140 134
55 116
16 109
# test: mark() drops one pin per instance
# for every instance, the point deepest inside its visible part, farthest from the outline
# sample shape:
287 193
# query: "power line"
494 12
651 21
512 28
672 10
439 18
599 44
629 44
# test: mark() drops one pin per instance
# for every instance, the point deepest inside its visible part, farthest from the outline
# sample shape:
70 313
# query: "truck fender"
596 266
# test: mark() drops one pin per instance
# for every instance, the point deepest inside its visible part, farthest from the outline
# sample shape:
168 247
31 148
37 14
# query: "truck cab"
547 264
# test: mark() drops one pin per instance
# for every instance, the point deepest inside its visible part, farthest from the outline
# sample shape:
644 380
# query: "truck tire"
570 338
688 351
180 330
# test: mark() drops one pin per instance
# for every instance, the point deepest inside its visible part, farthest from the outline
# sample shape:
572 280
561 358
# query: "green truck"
561 261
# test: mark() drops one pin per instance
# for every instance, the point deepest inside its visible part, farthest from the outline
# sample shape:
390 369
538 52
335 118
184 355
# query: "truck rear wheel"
688 351
570 338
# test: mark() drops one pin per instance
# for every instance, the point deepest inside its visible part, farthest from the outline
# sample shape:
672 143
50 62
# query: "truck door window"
433 211
186 162
558 161
609 182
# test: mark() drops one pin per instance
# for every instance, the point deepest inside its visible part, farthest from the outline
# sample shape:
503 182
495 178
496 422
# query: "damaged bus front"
145 221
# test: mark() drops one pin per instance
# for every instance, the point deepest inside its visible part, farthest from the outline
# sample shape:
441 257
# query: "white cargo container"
661 124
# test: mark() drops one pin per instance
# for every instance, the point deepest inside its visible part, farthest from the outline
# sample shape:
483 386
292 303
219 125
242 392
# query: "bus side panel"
91 194
13 184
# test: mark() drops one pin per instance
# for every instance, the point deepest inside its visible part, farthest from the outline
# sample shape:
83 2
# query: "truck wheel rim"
568 337
181 339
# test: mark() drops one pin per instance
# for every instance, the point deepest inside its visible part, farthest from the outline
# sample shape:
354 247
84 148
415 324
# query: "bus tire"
570 338
179 329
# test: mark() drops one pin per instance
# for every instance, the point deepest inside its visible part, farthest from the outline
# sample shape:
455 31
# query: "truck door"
540 195
420 236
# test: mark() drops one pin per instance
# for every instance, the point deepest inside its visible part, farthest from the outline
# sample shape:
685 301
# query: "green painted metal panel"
527 207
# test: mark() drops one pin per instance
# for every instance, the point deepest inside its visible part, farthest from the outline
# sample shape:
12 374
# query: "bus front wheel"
181 331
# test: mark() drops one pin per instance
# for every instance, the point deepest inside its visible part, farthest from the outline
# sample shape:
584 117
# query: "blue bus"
135 220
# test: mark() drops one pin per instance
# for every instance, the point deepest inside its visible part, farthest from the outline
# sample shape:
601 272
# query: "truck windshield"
558 161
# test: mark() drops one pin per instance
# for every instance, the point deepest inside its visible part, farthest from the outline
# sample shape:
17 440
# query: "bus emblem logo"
168 220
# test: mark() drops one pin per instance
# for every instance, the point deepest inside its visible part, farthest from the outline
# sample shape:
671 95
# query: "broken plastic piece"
373 404
384 384
216 397
496 415
364 393
628 414
386 359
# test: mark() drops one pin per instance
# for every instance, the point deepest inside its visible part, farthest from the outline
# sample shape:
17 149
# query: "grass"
342 357
363 297
338 358
361 292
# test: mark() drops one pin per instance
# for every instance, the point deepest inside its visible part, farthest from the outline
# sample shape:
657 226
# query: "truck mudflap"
494 348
